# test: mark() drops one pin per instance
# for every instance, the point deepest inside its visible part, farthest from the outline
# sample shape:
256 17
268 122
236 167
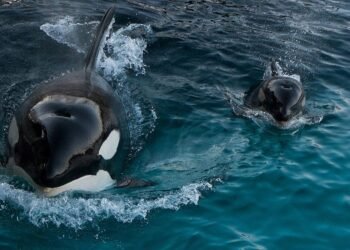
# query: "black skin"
282 97
59 139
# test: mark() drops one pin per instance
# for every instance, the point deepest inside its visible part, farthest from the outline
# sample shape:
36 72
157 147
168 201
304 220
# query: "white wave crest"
76 212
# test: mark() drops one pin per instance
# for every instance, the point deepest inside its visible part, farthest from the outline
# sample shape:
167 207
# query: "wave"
75 212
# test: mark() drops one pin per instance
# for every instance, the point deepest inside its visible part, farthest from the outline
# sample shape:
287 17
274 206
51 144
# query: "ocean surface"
225 178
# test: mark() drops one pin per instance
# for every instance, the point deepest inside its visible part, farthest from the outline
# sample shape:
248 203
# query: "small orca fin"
128 182
90 61
275 68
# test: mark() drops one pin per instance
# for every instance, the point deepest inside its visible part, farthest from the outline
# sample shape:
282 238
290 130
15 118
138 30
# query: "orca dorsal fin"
90 61
275 68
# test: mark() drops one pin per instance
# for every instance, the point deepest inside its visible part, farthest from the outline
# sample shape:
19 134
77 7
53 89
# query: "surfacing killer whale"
281 96
68 130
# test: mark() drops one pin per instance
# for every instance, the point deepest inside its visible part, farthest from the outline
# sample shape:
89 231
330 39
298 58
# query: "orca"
72 133
281 96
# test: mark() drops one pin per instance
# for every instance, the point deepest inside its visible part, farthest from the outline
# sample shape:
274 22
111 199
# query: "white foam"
75 212
123 52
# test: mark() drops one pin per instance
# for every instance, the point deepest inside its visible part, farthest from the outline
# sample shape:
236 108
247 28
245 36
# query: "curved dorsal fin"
90 61
274 67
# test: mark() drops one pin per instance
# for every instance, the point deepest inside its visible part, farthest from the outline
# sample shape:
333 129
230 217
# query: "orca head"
60 140
282 97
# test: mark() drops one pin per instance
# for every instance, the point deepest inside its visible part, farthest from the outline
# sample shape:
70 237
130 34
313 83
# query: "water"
224 179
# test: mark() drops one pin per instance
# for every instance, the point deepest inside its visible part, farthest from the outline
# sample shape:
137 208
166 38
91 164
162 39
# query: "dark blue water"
223 180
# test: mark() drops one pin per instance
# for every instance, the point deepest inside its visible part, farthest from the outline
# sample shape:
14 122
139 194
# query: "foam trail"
76 212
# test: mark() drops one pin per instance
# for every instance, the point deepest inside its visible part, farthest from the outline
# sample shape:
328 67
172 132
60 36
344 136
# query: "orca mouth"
281 118
96 182
286 86
285 115
87 183
63 113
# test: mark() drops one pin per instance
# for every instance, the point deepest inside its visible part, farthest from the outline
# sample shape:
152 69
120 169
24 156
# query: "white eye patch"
261 95
13 136
110 145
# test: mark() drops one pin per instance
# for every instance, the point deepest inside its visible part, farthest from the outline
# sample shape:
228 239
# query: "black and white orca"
67 131
281 96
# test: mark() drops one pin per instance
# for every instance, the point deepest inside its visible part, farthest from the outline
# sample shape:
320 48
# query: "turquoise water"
223 180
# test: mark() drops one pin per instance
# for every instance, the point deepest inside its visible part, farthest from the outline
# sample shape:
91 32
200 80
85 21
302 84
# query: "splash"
70 33
124 51
76 212
280 72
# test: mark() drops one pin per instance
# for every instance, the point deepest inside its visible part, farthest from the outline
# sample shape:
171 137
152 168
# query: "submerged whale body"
67 130
281 96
